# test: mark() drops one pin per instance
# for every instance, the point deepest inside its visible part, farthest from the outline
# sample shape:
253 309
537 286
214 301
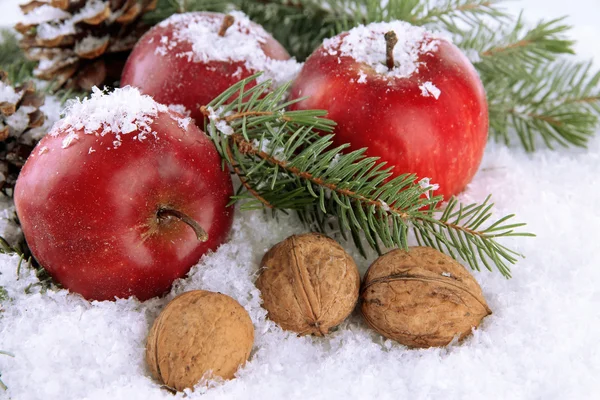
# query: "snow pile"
541 341
8 94
366 44
56 22
244 41
123 112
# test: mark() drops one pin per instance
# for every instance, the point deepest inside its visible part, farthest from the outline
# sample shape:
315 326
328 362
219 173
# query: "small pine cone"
81 43
19 114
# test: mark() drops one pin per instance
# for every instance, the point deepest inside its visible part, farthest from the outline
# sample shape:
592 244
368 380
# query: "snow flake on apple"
365 44
428 89
243 42
122 112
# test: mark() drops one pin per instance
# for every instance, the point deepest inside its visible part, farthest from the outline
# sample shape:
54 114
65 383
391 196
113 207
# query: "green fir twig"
285 164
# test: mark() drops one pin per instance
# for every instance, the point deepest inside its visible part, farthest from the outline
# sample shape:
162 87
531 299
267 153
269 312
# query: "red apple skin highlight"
91 219
170 79
441 139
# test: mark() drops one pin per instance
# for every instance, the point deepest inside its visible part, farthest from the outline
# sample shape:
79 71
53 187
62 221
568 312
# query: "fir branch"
460 15
280 156
559 104
513 50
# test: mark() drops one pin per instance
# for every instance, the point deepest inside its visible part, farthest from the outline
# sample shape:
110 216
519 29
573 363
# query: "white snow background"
540 343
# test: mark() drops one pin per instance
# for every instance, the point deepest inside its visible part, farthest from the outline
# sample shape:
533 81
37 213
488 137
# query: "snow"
540 343
425 183
428 89
242 42
120 113
220 124
366 44
49 29
45 13
8 94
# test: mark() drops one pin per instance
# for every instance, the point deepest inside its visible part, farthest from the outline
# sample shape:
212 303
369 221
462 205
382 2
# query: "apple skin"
441 139
90 219
170 79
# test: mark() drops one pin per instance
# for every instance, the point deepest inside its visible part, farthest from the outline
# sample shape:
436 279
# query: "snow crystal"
121 112
384 205
47 31
45 13
51 30
366 44
220 124
362 77
8 94
425 184
51 109
242 42
179 109
20 119
266 147
184 122
428 89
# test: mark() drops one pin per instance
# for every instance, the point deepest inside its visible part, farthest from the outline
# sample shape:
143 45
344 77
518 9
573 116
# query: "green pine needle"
285 164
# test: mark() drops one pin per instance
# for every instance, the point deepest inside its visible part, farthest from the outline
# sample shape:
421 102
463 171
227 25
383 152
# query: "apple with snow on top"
122 197
412 98
189 59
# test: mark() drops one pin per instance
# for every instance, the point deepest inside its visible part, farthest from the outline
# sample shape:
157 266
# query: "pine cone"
81 43
19 115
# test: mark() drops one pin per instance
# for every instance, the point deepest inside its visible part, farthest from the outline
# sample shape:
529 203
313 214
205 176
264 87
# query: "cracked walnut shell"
309 284
199 334
421 298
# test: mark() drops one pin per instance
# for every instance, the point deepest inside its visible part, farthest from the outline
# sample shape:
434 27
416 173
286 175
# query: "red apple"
422 108
113 201
185 59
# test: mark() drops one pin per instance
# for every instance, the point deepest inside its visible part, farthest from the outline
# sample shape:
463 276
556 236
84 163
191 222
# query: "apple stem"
227 22
390 41
170 212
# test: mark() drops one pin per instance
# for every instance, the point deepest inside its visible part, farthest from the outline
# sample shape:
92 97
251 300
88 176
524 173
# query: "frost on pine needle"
216 119
266 146
243 42
427 185
366 44
121 113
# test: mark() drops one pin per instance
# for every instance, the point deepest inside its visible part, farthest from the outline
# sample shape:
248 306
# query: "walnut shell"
199 334
421 298
309 284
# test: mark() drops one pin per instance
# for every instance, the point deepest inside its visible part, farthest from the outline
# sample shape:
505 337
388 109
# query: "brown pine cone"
19 114
81 43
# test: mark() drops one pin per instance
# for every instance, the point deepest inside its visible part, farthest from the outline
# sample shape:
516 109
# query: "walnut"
421 298
309 284
199 335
